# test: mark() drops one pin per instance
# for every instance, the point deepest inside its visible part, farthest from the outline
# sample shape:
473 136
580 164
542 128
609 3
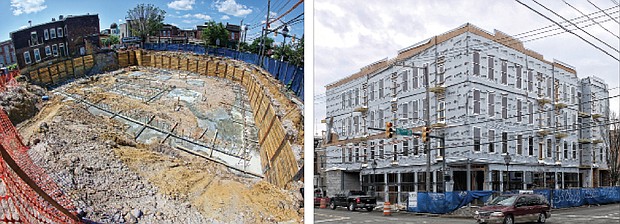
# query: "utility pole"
239 41
427 144
264 35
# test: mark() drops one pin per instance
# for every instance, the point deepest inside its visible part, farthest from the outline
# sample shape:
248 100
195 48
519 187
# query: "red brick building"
69 36
7 53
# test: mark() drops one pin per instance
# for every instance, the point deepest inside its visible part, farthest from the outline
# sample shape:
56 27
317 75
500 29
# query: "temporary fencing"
27 193
442 203
288 74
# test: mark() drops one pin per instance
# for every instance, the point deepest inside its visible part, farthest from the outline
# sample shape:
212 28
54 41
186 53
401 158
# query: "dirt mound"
21 102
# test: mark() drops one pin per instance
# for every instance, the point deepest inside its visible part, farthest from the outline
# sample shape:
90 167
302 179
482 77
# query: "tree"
244 47
145 20
111 40
297 58
255 46
213 32
613 139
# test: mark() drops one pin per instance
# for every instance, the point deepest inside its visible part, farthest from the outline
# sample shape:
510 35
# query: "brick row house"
7 53
67 37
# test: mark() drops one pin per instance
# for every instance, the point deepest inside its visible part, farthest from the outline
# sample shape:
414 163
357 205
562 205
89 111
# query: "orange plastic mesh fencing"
19 203
8 79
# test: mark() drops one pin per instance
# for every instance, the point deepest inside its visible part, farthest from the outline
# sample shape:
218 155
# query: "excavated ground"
114 178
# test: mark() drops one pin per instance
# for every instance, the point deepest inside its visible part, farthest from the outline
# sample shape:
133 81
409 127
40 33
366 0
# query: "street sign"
402 131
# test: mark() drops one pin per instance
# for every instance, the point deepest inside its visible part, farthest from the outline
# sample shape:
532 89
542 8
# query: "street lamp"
374 177
507 159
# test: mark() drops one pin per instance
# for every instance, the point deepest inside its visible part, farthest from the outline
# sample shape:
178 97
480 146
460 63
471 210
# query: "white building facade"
489 96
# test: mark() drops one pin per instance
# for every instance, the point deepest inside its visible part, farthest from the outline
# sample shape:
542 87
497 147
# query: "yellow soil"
210 188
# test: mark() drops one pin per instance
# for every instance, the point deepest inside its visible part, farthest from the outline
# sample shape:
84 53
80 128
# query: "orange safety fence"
8 79
27 193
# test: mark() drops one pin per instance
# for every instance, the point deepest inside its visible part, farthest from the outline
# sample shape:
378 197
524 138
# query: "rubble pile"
21 101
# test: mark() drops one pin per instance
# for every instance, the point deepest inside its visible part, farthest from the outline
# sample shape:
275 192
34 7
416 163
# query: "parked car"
509 209
318 195
353 200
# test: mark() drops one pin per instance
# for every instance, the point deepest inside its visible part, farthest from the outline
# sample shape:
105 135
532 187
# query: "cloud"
225 17
232 8
193 16
182 4
27 6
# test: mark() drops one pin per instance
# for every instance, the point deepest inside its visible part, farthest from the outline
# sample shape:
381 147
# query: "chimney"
29 22
60 17
53 19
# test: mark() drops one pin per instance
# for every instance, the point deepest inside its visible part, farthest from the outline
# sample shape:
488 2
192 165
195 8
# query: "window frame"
27 58
60 32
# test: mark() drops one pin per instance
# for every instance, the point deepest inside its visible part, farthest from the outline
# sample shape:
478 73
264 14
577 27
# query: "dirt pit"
116 177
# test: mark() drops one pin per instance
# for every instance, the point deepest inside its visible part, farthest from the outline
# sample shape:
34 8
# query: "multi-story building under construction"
488 97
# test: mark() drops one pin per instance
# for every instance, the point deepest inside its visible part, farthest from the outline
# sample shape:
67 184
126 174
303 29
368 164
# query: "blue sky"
182 13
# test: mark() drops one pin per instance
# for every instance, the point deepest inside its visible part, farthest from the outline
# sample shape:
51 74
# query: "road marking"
331 220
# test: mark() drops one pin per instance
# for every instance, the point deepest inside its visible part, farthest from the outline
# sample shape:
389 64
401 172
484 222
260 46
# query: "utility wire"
591 19
287 12
597 47
515 137
603 12
596 38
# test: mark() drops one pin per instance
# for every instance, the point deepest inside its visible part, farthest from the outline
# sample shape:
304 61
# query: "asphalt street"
604 214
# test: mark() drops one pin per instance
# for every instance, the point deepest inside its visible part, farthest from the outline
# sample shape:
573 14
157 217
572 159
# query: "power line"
591 19
515 137
508 117
596 38
287 12
605 13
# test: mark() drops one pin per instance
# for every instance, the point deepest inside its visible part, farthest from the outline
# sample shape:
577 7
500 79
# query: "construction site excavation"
165 137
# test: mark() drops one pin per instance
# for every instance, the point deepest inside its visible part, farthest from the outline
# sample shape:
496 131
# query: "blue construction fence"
288 74
442 203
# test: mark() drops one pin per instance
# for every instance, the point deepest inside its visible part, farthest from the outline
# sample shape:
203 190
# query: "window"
491 104
476 63
380 118
415 148
540 150
504 73
371 121
476 101
34 39
350 154
381 88
55 50
530 81
504 142
549 150
415 110
519 74
395 152
491 71
504 107
52 33
476 139
357 154
519 113
46 34
520 144
343 100
549 87
441 112
530 111
356 125
491 140
372 91
381 151
415 83
48 51
37 56
574 151
406 148
357 96
27 57
344 155
372 150
62 49
60 34
565 150
350 98
405 112
572 95
530 146
405 77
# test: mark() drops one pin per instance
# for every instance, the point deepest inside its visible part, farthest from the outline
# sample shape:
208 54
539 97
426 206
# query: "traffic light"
388 130
425 132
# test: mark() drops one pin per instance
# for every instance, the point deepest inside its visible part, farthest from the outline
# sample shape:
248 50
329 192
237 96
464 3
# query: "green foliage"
111 40
213 32
145 20
293 53
255 46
